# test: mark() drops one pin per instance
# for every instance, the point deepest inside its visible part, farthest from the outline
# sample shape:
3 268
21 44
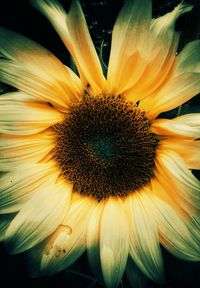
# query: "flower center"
105 147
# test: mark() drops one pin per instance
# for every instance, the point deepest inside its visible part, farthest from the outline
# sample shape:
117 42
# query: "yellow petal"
161 52
178 90
155 75
129 44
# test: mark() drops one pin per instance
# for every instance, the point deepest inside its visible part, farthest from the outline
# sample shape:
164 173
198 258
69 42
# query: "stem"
94 280
179 110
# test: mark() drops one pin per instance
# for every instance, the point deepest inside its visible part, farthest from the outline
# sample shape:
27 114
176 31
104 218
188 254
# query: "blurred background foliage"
21 17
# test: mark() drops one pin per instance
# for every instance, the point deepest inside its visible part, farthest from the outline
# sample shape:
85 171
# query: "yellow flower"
86 162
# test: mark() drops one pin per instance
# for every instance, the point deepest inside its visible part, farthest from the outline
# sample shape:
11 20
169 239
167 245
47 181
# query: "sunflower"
88 162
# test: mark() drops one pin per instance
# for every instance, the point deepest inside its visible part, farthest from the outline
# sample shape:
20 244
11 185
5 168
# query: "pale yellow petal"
18 150
113 242
174 175
188 149
73 31
176 165
25 117
34 70
186 126
194 227
165 40
93 240
144 243
190 119
33 259
188 60
41 215
4 223
164 191
174 233
19 185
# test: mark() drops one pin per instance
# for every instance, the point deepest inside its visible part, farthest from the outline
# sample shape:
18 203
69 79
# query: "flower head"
87 161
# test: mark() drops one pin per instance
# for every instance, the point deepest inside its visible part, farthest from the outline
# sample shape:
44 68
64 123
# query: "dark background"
21 17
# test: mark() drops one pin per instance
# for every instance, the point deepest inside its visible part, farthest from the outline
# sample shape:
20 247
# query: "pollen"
105 147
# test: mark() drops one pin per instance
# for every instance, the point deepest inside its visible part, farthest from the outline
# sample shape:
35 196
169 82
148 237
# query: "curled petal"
39 217
160 53
68 241
73 31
